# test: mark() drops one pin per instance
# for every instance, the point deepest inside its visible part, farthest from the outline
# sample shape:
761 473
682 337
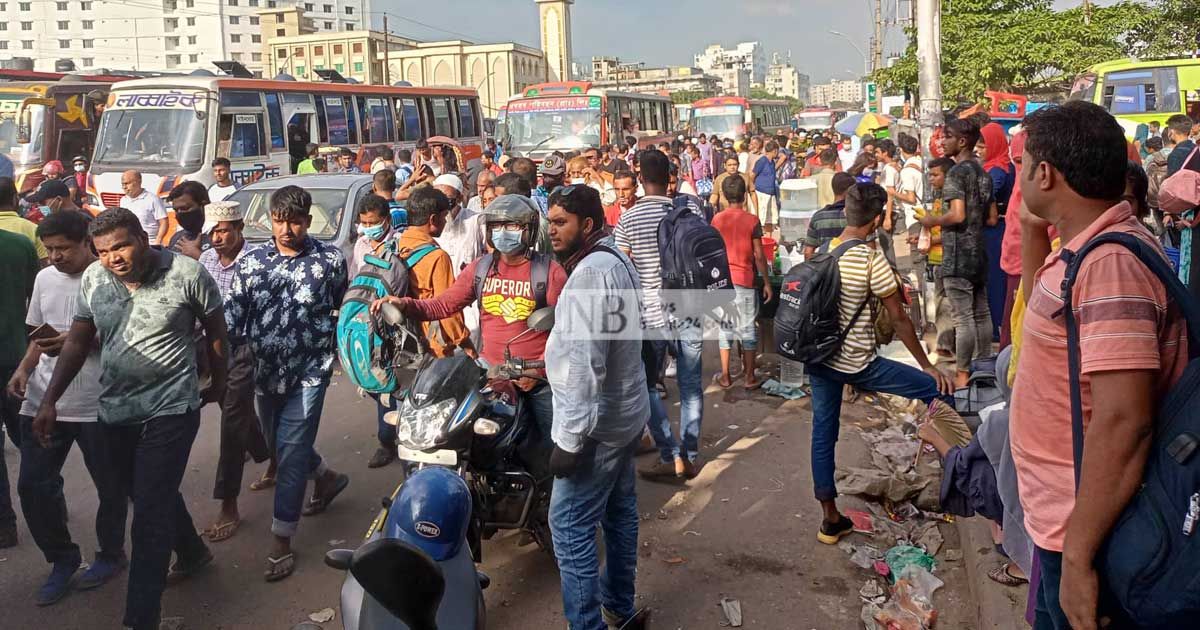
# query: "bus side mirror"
25 117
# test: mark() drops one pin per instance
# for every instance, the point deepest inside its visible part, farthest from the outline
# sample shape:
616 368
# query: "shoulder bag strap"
1175 289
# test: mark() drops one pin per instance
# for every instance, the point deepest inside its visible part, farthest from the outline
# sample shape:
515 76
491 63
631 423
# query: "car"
335 198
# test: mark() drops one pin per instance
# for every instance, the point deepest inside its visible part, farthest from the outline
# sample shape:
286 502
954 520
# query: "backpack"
693 262
363 352
807 323
1180 192
1149 560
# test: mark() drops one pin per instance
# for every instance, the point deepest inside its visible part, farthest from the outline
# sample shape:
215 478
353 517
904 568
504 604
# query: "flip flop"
753 386
717 381
279 568
1001 575
222 531
317 504
263 483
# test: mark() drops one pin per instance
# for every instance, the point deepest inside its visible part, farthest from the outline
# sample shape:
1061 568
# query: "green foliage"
1025 45
1173 30
687 97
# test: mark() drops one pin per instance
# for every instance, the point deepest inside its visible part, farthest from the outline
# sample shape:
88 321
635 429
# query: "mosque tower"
556 37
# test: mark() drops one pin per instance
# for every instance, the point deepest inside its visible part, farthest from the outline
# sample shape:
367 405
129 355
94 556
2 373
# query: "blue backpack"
1150 559
366 355
695 266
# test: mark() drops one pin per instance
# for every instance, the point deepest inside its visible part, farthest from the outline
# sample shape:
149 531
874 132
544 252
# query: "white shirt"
847 157
890 176
462 238
53 302
475 204
149 210
217 192
912 179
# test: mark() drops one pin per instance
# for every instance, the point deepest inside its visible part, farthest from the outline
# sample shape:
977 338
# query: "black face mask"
192 220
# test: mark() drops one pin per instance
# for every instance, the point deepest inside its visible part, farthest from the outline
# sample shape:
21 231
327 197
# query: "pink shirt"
1125 324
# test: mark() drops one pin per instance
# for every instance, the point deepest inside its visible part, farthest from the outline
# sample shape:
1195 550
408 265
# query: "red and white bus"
573 115
732 117
816 119
171 128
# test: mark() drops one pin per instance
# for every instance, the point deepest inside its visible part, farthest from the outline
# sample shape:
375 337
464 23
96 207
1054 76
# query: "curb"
1000 608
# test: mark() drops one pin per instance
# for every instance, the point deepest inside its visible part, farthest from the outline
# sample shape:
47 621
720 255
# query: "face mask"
79 168
577 180
373 232
506 242
45 210
192 220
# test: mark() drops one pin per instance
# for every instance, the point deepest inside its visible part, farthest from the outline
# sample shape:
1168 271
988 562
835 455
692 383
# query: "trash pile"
902 519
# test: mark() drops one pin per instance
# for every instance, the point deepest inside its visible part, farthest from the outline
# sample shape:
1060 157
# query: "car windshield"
328 207
31 152
550 130
151 136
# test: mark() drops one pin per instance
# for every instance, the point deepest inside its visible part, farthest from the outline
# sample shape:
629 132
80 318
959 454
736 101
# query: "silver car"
334 210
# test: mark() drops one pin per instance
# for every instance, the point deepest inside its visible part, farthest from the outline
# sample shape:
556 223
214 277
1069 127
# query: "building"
785 81
161 35
837 90
748 56
657 80
355 55
497 71
734 81
556 37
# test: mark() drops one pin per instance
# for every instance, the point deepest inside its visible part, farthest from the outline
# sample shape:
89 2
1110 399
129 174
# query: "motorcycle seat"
402 578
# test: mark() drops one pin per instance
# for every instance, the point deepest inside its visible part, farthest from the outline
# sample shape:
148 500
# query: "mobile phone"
45 331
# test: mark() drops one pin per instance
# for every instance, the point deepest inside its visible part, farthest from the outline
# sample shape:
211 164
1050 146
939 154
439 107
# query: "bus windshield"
21 154
816 120
173 137
724 120
1084 88
553 123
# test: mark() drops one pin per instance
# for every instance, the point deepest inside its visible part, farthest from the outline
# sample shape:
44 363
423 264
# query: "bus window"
72 142
241 136
352 123
376 119
275 116
241 99
334 126
409 118
439 109
1142 91
466 118
322 121
614 122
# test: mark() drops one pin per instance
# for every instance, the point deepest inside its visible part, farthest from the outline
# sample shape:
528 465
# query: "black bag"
807 322
694 263
1150 560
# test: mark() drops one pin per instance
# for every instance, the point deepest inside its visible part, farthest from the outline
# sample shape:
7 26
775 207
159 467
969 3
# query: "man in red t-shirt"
743 244
625 185
507 296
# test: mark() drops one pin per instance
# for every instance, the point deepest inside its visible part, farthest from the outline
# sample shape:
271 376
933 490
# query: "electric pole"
877 42
929 68
387 52
1087 12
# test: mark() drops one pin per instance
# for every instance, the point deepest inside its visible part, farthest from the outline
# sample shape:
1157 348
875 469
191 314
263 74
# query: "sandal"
222 531
718 377
1001 575
183 569
263 483
318 504
753 386
279 568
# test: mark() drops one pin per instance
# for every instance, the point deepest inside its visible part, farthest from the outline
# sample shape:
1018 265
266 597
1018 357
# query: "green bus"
1142 91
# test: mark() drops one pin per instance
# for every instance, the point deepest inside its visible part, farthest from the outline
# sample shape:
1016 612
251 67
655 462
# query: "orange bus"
573 115
732 117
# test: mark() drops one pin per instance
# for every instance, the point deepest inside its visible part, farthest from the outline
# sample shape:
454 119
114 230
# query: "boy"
742 233
931 274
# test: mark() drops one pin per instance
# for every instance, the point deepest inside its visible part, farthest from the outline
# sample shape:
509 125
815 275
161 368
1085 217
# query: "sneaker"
101 571
830 534
184 568
58 584
382 457
8 536
662 471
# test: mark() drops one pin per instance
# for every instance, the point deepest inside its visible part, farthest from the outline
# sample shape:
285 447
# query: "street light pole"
866 63
929 53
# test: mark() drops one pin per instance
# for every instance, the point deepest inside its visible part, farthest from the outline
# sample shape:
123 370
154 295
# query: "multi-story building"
748 56
837 90
355 55
497 71
785 81
153 35
661 80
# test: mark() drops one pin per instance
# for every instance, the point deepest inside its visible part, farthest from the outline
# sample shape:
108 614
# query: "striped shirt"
865 273
826 224
211 261
637 233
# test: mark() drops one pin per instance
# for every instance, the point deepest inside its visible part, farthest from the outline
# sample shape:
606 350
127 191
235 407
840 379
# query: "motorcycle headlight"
419 429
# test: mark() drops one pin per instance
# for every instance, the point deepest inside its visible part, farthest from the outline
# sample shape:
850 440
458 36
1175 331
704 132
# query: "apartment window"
252 3
279 18
318 50
87 62
299 71
64 43
329 26
337 49
170 5
87 43
61 6
279 32
358 66
172 61
193 58
357 48
171 23
190 3
85 6
280 53
271 4
339 67
237 56
256 38
191 21
253 20
24 6
3 6
3 25
26 26
88 24
63 25
192 40
233 19
328 8
235 39
3 44
255 56
349 10
299 53
308 7
349 26
172 41
232 3
26 44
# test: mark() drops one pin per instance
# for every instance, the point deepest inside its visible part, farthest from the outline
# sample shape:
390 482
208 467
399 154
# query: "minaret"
556 37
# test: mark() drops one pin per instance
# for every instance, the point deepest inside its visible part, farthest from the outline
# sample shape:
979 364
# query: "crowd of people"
115 336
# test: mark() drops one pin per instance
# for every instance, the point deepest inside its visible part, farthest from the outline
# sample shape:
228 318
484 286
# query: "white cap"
218 211
450 180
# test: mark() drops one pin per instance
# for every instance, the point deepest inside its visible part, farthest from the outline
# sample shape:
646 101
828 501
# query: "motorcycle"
475 464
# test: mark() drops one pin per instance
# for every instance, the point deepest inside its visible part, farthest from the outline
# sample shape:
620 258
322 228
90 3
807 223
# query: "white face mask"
577 180
79 168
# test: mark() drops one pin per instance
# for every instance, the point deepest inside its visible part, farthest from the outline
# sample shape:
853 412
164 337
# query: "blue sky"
668 32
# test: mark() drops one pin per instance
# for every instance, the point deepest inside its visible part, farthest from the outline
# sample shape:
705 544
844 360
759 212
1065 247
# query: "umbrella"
860 124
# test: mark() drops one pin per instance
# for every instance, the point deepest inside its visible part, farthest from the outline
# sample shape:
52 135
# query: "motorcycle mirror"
391 314
392 418
542 320
339 559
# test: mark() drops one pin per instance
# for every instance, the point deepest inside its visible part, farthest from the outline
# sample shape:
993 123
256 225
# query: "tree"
1173 30
687 97
1023 45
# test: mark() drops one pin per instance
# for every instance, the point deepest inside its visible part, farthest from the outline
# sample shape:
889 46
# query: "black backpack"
695 267
1149 560
807 323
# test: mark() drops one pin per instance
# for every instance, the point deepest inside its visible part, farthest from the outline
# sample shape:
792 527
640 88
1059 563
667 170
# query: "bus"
683 116
48 119
573 115
1139 92
732 117
816 119
171 128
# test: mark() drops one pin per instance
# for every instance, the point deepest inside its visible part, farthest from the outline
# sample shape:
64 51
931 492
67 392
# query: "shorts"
739 320
768 208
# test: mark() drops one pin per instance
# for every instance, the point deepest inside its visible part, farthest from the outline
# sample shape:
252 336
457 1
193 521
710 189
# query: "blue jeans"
881 375
290 423
386 432
689 346
40 487
601 492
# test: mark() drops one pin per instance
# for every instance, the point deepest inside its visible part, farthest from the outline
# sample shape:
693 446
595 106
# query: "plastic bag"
911 606
901 557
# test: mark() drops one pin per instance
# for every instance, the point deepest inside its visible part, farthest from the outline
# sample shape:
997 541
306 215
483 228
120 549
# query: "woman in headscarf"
993 148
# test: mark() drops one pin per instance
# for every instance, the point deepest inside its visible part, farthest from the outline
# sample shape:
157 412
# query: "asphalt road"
745 529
